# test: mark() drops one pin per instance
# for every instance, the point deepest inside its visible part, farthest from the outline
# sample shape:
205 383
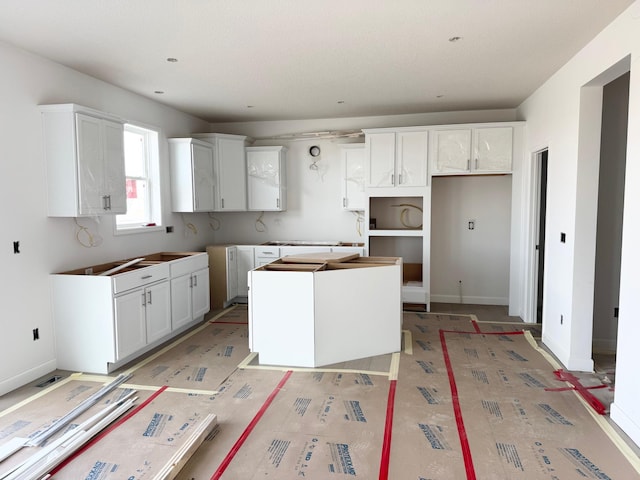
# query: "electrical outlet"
36 334
16 247
169 229
472 225
563 237
561 319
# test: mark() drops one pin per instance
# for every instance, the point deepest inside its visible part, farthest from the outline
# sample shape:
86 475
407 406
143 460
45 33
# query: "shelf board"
406 232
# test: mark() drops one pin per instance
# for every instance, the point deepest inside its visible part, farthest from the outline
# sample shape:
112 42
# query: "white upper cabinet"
493 149
192 177
396 157
266 178
353 158
229 169
472 150
84 156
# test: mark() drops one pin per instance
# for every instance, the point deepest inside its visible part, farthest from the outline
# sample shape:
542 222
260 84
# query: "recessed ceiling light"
159 92
439 96
341 101
454 39
172 60
249 106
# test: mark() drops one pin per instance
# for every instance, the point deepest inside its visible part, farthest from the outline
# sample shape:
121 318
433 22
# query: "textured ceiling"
244 60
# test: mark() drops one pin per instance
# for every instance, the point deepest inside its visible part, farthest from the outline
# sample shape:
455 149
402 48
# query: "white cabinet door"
381 148
203 178
90 165
158 311
131 330
114 168
231 174
181 301
266 178
192 178
232 273
493 148
353 157
245 264
452 151
473 150
101 175
200 292
411 158
397 158
84 153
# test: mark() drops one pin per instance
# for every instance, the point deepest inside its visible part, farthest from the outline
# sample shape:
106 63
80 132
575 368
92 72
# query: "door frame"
531 293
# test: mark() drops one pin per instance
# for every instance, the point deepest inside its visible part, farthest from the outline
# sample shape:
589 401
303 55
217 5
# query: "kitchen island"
319 309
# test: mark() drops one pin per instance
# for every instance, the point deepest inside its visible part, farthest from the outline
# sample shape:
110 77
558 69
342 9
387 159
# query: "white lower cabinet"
103 321
244 264
297 318
142 317
189 297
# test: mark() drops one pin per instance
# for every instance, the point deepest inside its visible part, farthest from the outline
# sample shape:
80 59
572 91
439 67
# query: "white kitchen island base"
344 311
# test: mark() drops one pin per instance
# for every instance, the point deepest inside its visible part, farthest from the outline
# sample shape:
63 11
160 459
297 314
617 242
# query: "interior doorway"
613 147
541 220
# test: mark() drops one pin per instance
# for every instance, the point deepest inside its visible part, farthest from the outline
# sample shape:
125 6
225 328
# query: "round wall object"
314 151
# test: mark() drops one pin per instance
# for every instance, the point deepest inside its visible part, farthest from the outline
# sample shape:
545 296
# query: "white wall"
49 244
553 115
470 266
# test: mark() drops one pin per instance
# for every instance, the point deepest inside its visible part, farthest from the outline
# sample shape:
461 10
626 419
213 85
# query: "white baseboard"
470 300
625 422
24 378
577 364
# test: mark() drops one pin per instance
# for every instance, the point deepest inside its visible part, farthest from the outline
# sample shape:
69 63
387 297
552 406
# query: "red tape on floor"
583 391
247 431
107 430
462 433
388 426
476 326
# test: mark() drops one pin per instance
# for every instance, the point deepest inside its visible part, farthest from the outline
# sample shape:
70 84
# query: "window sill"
138 229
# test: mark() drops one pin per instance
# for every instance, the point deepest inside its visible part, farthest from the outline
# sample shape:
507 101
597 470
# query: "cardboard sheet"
140 445
200 362
463 400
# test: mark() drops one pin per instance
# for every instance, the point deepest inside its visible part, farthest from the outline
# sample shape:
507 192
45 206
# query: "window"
143 185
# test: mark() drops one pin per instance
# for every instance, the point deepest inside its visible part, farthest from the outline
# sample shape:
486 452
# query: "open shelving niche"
398 226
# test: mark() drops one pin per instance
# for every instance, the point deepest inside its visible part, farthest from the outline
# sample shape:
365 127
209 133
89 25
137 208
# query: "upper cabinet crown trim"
75 108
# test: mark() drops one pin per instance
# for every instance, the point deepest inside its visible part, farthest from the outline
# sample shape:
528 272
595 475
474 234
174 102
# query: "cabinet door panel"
453 150
158 312
130 323
412 159
382 152
231 174
203 178
200 292
494 149
90 165
232 273
114 172
245 263
263 174
180 301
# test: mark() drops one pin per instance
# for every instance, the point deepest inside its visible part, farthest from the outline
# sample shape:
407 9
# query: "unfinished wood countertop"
319 257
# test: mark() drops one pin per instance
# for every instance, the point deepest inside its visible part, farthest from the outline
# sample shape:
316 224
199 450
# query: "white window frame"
154 199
